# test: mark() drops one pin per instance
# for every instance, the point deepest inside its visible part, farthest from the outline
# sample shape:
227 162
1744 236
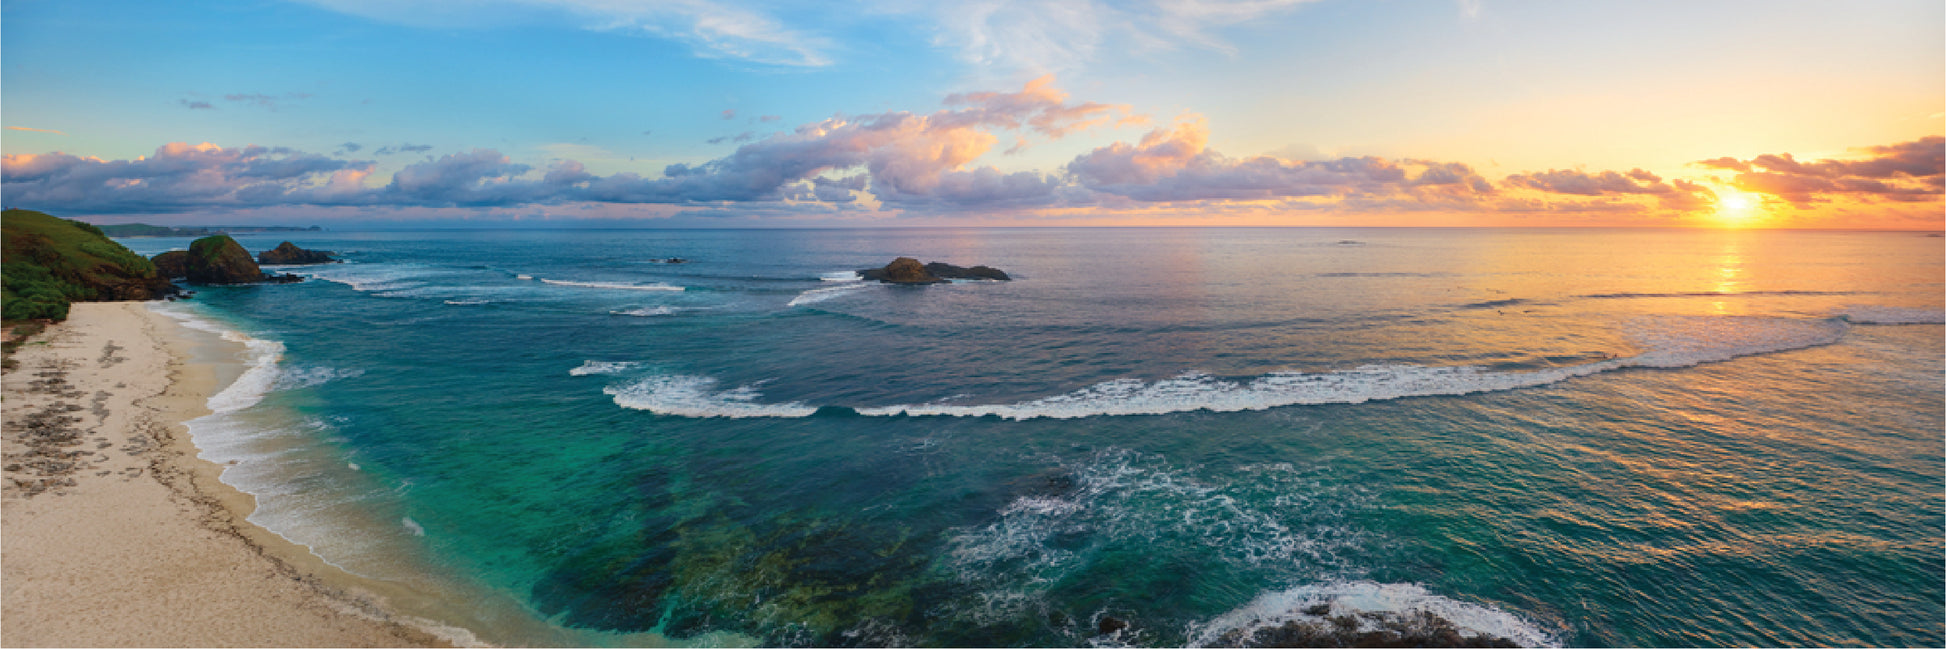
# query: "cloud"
730 113
711 29
1052 35
180 177
1175 163
351 147
35 130
403 148
769 118
196 105
1906 172
1679 195
268 102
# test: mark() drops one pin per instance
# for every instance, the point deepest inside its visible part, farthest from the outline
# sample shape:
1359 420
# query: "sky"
758 113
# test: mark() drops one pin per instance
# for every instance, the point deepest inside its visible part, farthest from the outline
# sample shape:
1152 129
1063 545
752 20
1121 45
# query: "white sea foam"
1891 315
613 285
1672 342
645 312
260 358
1347 600
525 277
372 278
468 302
841 276
603 367
696 396
1283 520
816 295
413 526
292 378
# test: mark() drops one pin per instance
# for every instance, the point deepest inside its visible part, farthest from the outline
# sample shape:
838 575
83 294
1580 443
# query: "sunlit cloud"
35 130
920 165
1907 172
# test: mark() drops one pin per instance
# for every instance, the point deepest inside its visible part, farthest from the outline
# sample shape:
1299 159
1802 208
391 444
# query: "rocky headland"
50 262
906 270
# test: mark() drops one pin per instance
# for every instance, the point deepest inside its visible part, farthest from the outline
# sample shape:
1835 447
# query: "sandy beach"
116 534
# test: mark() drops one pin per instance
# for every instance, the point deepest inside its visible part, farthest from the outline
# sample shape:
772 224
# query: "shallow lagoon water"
1577 437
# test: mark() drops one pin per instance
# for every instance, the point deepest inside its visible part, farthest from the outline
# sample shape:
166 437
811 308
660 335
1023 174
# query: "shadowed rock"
906 270
288 254
173 264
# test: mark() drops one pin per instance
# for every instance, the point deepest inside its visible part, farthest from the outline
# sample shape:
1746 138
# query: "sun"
1735 209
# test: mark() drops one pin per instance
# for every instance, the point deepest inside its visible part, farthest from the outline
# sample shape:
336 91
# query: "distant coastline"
135 230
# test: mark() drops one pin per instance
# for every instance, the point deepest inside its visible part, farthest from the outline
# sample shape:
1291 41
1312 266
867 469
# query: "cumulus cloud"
181 177
1906 172
1678 195
1175 163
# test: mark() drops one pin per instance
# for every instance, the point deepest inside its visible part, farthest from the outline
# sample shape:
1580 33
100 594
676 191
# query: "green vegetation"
48 262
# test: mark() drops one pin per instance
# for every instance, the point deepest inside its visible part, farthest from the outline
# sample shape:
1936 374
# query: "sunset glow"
735 114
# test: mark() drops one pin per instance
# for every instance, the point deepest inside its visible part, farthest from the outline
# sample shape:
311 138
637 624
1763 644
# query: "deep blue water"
1580 437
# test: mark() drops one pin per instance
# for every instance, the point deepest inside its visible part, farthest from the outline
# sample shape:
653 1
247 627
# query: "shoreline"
118 534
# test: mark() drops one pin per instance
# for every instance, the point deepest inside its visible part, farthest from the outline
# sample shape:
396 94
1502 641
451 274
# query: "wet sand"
113 532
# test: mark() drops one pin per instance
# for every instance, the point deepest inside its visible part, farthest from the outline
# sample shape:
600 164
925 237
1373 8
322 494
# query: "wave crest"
613 285
695 396
1346 610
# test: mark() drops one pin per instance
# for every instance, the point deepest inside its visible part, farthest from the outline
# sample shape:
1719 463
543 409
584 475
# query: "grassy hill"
47 262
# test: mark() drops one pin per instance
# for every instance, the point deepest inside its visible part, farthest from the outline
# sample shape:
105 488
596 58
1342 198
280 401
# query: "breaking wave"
613 285
696 396
645 312
603 367
1670 343
1891 315
1317 614
816 295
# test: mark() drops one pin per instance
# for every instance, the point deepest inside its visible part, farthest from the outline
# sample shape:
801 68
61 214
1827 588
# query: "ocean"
1149 437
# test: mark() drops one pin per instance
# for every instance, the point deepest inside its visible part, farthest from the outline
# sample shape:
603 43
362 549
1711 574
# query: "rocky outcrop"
288 254
221 260
173 264
949 271
906 270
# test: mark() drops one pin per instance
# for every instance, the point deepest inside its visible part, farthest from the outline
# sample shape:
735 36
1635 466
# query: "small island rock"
221 260
906 270
288 254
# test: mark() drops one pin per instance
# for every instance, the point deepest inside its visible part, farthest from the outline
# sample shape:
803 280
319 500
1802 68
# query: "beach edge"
118 534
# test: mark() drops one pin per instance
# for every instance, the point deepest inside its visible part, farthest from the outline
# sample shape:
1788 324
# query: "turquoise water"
1580 437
